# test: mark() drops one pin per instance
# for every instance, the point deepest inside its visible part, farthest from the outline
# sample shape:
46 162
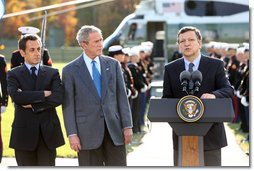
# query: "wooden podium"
190 141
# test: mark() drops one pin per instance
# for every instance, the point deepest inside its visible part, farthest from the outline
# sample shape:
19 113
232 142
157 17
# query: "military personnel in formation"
116 51
3 96
17 59
244 92
236 59
139 85
241 88
233 64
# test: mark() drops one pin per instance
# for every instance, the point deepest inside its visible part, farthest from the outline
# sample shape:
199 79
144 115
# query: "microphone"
185 77
196 77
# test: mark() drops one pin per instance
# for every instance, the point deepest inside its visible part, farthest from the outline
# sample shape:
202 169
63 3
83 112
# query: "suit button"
102 116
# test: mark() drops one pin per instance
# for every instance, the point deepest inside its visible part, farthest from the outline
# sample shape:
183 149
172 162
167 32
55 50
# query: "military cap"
126 50
28 30
115 50
134 51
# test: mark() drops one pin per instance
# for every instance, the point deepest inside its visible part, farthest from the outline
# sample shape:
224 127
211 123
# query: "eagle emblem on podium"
190 108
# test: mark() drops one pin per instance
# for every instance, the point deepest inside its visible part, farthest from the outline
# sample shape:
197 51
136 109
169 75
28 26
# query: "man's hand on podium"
208 96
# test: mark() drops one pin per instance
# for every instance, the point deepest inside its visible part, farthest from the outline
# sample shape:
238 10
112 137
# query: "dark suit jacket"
3 82
214 81
28 123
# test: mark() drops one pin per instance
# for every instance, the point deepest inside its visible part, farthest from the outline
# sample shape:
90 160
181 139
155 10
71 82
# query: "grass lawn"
7 118
240 136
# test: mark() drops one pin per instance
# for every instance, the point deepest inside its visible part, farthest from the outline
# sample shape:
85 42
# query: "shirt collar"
29 66
89 60
195 62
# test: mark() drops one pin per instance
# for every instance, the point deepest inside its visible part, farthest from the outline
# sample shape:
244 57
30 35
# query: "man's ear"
83 45
200 44
22 53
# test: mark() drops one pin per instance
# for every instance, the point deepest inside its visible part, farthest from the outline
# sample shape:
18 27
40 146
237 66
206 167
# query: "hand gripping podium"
191 118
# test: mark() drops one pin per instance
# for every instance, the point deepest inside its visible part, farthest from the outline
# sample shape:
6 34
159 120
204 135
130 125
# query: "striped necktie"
191 84
191 65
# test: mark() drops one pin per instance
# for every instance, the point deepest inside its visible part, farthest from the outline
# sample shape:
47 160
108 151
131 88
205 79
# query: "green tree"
106 16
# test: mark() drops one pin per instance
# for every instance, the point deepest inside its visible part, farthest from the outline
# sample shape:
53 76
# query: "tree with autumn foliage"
68 22
106 16
12 24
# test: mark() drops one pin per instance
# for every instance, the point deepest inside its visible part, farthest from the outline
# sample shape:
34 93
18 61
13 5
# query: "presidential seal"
190 108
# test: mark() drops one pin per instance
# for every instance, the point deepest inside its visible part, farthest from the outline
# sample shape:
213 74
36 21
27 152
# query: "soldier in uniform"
3 96
139 85
233 64
244 91
116 52
17 59
143 94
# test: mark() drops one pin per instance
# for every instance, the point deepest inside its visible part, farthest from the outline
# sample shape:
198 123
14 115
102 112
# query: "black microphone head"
185 76
196 76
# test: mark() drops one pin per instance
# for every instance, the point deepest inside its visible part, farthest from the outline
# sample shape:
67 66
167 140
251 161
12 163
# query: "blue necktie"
96 78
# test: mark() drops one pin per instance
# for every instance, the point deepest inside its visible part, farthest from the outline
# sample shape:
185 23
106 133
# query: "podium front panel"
215 110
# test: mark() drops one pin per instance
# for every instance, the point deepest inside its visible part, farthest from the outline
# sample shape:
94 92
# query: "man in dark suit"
96 111
16 57
214 85
3 96
36 91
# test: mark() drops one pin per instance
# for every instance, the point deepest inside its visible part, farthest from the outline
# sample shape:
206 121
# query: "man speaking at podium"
213 84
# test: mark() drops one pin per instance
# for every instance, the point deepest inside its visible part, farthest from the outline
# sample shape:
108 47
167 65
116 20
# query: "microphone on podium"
185 77
196 77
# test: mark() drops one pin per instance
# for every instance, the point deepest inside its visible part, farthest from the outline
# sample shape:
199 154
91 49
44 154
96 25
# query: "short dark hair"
22 41
189 28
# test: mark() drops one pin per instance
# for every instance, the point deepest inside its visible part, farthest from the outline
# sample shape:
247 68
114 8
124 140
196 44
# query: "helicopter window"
213 8
135 32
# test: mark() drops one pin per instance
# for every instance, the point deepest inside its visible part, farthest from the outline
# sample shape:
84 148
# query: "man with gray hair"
96 111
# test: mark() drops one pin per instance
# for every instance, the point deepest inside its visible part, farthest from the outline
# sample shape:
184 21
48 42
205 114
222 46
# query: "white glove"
128 93
135 95
3 109
149 86
244 101
238 94
143 90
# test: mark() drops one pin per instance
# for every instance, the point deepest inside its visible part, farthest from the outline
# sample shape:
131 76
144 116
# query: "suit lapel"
203 65
105 76
87 79
40 78
181 66
26 76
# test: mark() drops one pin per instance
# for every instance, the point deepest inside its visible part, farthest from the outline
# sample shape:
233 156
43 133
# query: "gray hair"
84 32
